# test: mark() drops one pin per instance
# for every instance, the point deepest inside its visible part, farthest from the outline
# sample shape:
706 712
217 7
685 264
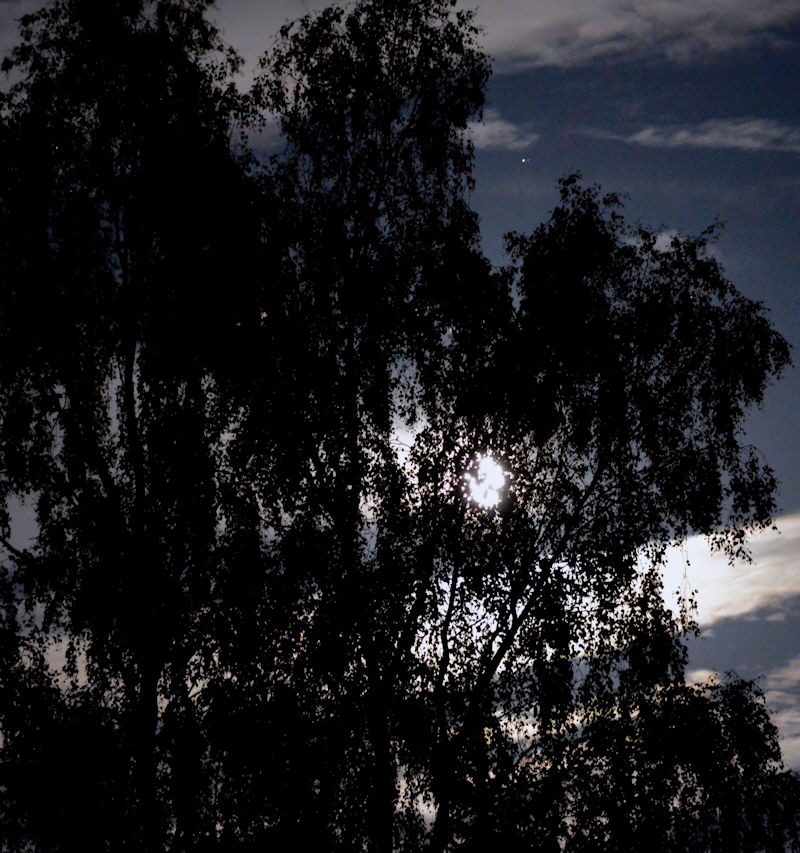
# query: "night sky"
691 111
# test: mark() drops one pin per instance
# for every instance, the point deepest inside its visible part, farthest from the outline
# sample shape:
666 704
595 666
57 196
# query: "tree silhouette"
123 208
246 397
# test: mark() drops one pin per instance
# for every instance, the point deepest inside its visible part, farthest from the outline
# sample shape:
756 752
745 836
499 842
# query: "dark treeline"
259 608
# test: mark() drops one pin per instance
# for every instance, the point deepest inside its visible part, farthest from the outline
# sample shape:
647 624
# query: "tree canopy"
246 396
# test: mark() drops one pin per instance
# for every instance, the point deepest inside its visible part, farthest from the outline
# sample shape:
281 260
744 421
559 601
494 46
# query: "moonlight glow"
485 484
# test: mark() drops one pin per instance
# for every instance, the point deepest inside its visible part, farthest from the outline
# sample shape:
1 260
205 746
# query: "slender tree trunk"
145 720
442 787
383 794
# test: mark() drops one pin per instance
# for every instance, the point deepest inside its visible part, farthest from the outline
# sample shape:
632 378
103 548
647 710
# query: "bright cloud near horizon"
733 590
746 610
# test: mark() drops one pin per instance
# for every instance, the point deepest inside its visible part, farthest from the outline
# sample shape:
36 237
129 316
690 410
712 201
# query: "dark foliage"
260 608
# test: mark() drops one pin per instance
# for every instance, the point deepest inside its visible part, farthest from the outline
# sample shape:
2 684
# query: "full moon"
485 483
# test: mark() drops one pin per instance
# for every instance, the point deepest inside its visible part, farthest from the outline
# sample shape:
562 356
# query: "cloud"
746 134
784 678
525 33
563 33
496 133
702 676
726 591
783 698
